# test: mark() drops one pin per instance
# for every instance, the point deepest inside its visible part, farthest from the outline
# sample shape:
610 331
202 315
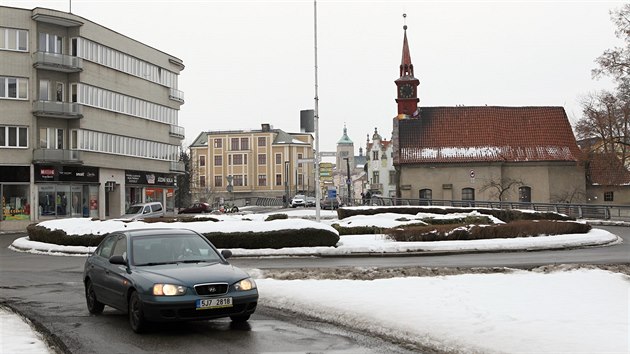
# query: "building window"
426 194
237 181
202 161
262 180
13 137
374 155
468 194
218 160
244 143
278 159
278 179
234 144
120 61
262 159
300 181
50 43
44 90
202 181
218 143
262 141
218 181
14 39
13 88
392 177
237 159
299 158
59 92
375 177
608 196
525 194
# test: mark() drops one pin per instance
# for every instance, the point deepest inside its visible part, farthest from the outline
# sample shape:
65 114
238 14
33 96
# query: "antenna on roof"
70 5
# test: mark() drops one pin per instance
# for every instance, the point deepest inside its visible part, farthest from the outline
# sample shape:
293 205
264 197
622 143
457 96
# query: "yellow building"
258 163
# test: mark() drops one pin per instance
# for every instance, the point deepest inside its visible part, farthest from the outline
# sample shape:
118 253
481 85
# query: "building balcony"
57 156
376 186
176 95
53 109
57 62
178 166
177 131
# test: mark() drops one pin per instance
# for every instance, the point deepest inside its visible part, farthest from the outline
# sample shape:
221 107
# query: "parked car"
197 208
298 200
310 201
164 275
144 210
329 203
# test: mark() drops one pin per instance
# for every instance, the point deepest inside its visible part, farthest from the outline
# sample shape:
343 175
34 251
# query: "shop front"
142 187
66 191
15 195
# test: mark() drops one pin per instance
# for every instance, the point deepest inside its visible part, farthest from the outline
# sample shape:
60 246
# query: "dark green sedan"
159 275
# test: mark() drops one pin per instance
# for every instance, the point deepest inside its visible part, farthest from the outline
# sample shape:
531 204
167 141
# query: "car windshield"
167 249
134 209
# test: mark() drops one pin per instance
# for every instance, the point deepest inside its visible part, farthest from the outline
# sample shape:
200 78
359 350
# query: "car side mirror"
117 260
226 254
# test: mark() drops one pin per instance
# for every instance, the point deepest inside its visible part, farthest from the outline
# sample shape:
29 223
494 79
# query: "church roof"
487 134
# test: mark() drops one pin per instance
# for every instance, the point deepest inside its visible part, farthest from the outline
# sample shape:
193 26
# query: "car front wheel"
136 316
93 305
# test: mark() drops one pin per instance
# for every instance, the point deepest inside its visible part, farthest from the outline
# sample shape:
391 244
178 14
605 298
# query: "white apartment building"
381 175
89 119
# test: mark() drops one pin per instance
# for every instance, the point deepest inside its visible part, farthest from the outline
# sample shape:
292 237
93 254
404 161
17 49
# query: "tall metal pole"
316 117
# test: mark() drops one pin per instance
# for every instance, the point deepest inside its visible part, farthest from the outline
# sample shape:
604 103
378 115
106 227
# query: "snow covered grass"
579 311
16 336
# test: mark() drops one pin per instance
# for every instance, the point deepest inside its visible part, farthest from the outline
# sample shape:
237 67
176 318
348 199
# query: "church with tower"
526 154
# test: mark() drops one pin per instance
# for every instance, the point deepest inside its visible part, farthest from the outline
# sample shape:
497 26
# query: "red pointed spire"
406 68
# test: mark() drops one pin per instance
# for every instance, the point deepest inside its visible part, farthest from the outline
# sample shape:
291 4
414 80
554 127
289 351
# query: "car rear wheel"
239 319
94 306
136 316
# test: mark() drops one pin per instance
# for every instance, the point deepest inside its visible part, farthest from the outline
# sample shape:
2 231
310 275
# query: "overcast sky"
252 62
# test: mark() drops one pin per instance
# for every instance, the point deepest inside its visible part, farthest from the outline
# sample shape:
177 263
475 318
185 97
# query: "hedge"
514 229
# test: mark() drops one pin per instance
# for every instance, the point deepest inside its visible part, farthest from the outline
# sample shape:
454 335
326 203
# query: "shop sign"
149 178
45 173
15 173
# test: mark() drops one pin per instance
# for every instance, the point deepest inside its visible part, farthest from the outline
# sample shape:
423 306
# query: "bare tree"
500 187
606 114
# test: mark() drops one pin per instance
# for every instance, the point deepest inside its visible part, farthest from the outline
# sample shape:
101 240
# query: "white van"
144 210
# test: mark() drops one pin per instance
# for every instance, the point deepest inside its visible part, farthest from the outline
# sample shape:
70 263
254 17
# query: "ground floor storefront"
33 193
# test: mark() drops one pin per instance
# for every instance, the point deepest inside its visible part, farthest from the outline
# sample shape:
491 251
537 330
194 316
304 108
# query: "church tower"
407 84
345 149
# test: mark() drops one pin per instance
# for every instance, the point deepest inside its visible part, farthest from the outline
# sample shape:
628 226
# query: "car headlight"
168 290
245 284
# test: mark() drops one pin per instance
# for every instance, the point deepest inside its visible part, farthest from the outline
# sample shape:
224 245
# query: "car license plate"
203 304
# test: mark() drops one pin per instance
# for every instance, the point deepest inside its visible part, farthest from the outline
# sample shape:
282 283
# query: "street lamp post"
348 181
286 183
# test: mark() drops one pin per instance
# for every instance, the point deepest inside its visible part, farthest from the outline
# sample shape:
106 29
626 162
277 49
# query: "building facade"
526 154
255 163
89 119
381 174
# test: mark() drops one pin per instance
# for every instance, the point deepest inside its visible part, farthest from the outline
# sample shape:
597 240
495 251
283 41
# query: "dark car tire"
240 319
136 316
94 306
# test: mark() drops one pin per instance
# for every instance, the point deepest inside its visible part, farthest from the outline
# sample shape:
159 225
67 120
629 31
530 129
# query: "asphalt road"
48 290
